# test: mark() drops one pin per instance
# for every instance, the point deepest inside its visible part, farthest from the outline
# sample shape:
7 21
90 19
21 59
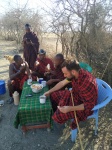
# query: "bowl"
36 88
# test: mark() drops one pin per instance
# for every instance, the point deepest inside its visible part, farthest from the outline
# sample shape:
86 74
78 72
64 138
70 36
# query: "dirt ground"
59 137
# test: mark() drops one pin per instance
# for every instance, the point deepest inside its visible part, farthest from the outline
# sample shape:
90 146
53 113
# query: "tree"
84 29
12 24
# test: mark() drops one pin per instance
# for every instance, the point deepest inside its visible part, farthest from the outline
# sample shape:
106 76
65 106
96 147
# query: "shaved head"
60 56
58 59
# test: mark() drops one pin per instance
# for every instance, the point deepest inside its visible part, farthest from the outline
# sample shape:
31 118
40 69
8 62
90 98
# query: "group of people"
59 74
19 71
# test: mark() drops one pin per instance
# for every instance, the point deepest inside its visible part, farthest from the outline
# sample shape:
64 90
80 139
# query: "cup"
42 99
37 79
40 80
43 83
29 81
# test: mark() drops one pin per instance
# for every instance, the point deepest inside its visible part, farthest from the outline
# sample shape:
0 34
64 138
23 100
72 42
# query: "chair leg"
96 125
73 135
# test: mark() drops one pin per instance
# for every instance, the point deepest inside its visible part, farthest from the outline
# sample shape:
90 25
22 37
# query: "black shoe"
9 101
1 117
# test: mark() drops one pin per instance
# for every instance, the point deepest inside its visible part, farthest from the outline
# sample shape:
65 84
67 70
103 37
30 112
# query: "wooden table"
31 114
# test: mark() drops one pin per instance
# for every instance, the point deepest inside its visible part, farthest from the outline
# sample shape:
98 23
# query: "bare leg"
10 87
11 91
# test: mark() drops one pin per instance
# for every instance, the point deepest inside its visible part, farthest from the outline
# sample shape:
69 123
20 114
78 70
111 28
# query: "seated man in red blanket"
41 65
56 75
18 74
84 90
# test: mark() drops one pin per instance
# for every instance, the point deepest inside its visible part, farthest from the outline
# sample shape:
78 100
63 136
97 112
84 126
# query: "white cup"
29 81
42 99
43 83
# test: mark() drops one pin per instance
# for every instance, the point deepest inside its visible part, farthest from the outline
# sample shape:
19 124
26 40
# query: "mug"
43 83
40 80
29 81
42 99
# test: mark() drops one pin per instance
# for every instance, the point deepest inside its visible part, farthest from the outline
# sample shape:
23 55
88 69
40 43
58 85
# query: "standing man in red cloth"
31 47
84 90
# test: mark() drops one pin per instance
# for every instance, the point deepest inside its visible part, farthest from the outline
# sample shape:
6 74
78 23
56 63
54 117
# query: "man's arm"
52 72
35 42
12 75
56 80
27 69
51 81
57 86
66 109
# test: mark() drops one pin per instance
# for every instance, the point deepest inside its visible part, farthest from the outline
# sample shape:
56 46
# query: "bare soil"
59 137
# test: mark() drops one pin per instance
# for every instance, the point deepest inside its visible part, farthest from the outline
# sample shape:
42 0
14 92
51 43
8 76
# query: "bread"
38 87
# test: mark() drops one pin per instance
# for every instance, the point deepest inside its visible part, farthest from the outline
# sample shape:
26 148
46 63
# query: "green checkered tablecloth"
30 110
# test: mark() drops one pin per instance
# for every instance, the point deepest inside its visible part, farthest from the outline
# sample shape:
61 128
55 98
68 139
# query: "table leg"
24 129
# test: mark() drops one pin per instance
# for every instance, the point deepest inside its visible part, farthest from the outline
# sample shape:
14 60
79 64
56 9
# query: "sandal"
1 102
9 101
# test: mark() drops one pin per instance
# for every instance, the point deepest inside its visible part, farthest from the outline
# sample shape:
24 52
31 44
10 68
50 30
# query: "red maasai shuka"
41 68
84 91
58 74
19 81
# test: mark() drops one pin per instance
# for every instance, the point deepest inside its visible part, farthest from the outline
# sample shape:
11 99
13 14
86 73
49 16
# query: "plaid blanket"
30 110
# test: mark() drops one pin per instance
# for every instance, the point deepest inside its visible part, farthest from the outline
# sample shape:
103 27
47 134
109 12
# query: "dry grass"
59 138
49 44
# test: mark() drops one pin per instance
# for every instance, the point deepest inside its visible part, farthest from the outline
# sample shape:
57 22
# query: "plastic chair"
85 66
104 97
2 87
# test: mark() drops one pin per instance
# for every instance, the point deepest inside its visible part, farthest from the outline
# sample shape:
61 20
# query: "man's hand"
36 63
32 43
50 82
46 73
47 93
30 77
47 70
22 69
65 109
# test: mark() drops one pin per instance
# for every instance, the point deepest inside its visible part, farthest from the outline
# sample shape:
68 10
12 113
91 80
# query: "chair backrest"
85 66
104 91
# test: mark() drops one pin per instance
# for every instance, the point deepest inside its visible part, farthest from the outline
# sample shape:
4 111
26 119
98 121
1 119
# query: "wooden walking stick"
77 122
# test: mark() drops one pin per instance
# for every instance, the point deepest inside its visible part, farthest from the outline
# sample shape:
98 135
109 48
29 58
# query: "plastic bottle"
16 98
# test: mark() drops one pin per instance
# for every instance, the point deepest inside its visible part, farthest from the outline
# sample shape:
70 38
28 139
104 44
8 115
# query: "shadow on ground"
59 137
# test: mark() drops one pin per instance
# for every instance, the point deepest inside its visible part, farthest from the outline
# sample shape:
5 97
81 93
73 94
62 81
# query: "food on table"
36 86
